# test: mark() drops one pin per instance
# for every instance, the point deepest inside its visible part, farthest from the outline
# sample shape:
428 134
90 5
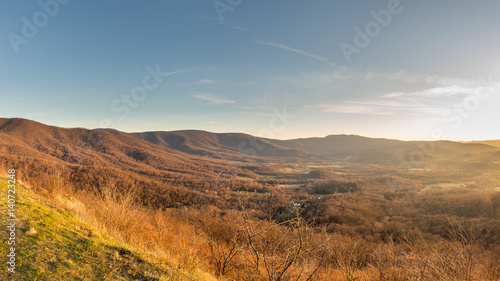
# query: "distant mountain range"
23 137
339 147
488 142
178 150
226 145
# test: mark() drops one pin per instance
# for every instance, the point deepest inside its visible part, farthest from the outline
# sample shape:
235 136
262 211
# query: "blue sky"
411 69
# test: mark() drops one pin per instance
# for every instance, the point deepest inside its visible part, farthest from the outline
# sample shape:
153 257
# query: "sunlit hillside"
147 211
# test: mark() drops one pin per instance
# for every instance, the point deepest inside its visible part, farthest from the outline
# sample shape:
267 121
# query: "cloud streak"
211 100
432 102
290 49
206 81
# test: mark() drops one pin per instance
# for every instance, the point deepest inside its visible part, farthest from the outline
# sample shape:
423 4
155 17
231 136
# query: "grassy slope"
64 248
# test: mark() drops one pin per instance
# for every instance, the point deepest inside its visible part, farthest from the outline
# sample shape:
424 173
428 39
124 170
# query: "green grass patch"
52 244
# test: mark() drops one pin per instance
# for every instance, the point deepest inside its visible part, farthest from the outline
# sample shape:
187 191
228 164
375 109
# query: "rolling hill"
84 157
335 144
174 203
82 146
204 154
350 148
354 148
488 142
234 146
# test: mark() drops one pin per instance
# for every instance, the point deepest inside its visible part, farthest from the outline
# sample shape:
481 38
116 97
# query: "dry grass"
174 239
190 243
156 235
54 244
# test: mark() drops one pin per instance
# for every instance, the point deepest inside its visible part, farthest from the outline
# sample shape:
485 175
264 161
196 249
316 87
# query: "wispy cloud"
374 107
345 73
206 81
447 91
404 76
297 51
431 102
211 100
350 107
344 80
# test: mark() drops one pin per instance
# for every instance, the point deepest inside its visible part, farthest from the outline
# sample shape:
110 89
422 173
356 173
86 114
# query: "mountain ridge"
182 147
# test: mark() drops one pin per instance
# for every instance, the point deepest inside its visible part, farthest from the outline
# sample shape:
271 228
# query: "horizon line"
233 132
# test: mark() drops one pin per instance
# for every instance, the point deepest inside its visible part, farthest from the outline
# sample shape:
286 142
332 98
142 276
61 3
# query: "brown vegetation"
256 221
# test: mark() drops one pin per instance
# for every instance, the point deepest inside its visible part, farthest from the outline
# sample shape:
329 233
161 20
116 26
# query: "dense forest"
272 218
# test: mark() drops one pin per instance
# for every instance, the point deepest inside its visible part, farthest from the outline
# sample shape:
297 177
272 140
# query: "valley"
334 208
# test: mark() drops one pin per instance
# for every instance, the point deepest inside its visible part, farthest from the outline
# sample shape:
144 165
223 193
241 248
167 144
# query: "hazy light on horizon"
417 67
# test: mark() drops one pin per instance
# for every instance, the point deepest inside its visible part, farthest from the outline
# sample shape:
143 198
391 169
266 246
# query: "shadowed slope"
89 147
226 145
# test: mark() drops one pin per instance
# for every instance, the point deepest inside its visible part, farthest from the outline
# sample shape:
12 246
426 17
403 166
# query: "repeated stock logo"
31 27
